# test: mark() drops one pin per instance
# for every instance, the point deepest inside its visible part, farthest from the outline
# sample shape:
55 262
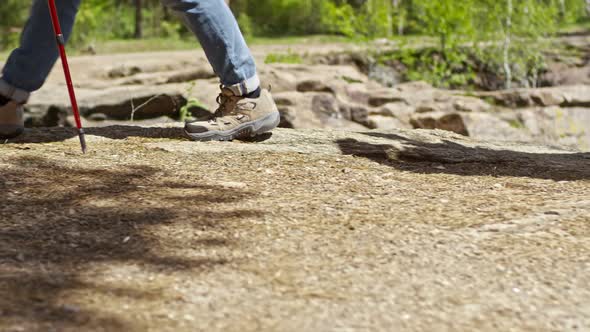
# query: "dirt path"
305 231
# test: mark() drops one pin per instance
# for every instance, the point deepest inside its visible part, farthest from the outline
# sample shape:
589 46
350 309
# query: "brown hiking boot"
11 120
237 117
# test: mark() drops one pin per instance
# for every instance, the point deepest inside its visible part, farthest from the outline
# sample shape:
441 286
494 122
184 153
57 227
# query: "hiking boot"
236 117
11 120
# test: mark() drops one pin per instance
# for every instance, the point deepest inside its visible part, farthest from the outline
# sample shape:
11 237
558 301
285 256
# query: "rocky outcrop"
565 96
329 95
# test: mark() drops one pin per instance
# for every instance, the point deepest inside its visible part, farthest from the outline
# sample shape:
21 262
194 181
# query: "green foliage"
339 19
450 21
290 57
185 111
246 25
514 123
429 65
12 17
515 36
506 42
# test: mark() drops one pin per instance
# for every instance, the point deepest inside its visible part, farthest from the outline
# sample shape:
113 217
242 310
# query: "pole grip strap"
60 39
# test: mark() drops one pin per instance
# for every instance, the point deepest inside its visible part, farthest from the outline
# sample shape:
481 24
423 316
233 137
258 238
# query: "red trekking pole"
64 61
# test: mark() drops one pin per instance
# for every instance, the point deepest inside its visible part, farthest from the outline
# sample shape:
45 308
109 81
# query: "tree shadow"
57 222
451 157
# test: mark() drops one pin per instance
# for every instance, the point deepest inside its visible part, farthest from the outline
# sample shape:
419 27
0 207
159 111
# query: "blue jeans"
211 21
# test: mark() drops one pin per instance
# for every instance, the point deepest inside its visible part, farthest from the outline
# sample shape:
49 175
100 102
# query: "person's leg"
217 30
29 65
244 108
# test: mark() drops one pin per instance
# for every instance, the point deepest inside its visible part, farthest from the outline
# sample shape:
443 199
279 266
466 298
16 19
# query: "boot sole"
248 129
8 132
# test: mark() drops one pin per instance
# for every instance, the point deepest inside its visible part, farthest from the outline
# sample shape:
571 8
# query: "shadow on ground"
59 134
453 158
57 221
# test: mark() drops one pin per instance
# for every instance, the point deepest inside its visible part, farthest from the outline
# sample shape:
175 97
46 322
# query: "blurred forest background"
505 35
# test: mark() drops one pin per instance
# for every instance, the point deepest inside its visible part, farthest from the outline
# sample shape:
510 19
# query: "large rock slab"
150 231
568 126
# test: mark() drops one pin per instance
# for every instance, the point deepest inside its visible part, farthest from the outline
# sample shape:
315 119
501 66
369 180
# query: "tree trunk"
138 20
562 9
507 44
390 11
588 7
400 16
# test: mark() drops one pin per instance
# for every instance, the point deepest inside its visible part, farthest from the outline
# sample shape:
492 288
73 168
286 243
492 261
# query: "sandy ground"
304 231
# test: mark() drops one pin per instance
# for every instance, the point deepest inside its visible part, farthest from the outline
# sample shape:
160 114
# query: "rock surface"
332 94
302 230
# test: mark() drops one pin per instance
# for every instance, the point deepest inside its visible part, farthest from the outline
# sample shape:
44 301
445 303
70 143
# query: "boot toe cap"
196 128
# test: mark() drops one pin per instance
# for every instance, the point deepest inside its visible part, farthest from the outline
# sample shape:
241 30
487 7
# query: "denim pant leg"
217 30
29 65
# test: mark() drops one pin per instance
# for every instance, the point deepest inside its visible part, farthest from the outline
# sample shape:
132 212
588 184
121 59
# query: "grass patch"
189 43
289 57
286 40
578 27
516 124
350 80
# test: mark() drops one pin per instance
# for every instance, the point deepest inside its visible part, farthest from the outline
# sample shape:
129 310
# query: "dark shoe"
11 120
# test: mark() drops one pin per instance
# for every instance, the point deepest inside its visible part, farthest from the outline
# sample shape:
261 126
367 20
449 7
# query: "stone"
571 96
508 98
385 75
315 110
567 126
547 97
400 111
381 98
46 116
576 96
470 104
141 107
385 122
355 112
280 80
428 107
440 120
98 117
477 125
287 98
313 86
357 93
123 71
562 74
325 105
413 86
190 75
288 116
485 126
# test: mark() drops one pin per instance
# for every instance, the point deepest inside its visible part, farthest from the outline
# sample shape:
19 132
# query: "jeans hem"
245 87
17 95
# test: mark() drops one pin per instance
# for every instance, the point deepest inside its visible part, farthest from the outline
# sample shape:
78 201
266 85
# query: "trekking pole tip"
82 141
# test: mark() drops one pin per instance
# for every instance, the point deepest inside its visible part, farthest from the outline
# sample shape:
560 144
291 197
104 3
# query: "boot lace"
228 105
